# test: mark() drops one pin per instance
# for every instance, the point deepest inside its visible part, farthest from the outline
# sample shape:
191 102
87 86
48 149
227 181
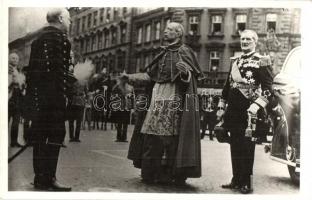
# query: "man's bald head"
59 17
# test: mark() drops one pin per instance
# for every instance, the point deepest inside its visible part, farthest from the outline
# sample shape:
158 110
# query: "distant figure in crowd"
121 112
48 83
248 90
87 112
16 90
209 116
166 146
76 109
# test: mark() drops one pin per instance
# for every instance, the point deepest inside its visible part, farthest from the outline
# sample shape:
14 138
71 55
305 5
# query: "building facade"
103 36
214 35
124 38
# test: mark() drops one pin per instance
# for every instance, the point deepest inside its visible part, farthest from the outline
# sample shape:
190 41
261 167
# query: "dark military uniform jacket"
249 81
49 79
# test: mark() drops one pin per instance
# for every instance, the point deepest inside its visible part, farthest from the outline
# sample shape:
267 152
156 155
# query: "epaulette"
265 60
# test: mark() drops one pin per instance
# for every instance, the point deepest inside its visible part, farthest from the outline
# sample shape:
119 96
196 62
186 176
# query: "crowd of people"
165 143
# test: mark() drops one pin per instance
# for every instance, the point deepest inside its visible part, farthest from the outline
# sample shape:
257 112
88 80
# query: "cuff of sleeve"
261 101
187 80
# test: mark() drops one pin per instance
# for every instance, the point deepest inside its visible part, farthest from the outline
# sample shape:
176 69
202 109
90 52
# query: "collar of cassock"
172 47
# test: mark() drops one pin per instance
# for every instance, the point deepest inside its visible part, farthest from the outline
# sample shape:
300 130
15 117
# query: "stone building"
103 36
213 33
124 38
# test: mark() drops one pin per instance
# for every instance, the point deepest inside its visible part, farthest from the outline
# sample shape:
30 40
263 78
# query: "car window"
292 64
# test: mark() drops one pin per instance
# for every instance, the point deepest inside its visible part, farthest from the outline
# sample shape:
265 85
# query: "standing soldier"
247 92
121 114
209 116
47 87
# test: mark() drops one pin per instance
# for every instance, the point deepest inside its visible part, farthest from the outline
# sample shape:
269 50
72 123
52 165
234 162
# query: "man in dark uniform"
247 92
76 108
121 115
48 82
209 116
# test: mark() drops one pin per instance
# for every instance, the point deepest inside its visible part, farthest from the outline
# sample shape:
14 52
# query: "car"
285 117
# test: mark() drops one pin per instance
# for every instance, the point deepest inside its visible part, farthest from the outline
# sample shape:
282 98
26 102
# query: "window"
108 16
100 40
111 63
216 24
124 11
82 46
193 25
138 63
271 21
115 13
83 23
101 15
123 31
77 25
88 45
95 15
139 36
148 33
241 21
121 61
214 61
89 20
114 36
157 31
106 39
93 42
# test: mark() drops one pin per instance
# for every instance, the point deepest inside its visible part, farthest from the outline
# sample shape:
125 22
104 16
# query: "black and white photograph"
148 99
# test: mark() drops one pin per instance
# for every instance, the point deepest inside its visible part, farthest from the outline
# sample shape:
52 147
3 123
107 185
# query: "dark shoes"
242 189
121 140
245 189
74 140
16 145
230 186
53 186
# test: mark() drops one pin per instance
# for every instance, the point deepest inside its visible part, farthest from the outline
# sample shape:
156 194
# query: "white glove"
253 109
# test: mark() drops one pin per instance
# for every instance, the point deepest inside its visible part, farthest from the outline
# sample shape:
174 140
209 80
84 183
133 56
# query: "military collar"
247 55
49 29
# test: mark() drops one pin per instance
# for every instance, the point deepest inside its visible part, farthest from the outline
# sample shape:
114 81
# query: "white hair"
253 33
54 14
178 28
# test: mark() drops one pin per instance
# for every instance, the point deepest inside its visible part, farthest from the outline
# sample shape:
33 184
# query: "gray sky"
25 20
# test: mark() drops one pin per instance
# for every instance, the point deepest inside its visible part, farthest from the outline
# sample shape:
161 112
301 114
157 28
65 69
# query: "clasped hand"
183 67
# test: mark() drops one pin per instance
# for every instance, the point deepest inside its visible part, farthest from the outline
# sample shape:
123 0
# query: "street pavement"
99 164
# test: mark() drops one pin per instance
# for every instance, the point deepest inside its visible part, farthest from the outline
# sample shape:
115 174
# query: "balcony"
213 80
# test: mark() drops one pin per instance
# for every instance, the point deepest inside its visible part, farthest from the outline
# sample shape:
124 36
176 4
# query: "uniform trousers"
242 157
76 115
15 126
48 132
